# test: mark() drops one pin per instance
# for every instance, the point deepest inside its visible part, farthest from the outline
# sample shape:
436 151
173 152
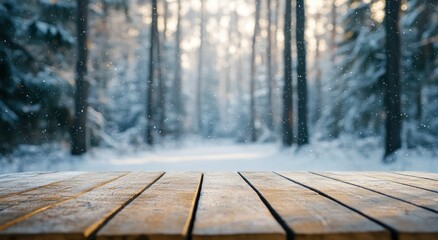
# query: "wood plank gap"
413 175
406 184
393 232
289 231
92 235
378 192
191 223
28 215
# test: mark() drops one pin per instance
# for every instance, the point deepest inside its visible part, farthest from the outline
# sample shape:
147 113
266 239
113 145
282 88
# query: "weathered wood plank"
417 196
16 208
427 175
80 217
409 221
9 187
161 212
427 184
9 176
229 209
310 215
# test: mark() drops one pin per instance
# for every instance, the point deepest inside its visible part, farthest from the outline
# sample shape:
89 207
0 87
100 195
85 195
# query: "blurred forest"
95 73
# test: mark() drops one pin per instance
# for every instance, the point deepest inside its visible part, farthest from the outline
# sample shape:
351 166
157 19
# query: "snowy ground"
222 155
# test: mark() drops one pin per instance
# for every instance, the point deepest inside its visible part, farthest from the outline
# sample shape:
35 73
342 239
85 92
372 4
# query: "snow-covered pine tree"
420 73
356 88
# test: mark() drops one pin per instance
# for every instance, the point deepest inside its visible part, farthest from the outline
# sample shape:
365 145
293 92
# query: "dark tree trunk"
269 79
287 122
153 65
79 127
317 67
252 111
392 78
177 86
162 75
200 71
301 73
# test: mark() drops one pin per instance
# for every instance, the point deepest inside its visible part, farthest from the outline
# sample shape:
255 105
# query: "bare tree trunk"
287 123
333 32
177 86
163 77
200 71
228 72
269 79
317 68
253 70
153 65
79 127
392 78
239 61
301 73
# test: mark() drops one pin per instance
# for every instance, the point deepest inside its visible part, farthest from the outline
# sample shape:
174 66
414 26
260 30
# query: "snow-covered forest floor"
196 154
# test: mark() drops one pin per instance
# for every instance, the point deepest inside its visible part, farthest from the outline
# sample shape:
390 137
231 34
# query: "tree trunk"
287 123
333 32
301 73
269 79
79 127
392 78
163 77
152 68
200 71
177 86
252 110
317 67
239 73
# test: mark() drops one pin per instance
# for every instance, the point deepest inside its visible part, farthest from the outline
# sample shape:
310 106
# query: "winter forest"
208 84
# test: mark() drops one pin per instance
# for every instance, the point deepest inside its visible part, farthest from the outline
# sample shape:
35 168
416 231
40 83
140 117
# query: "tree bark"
269 79
301 73
392 78
317 67
287 122
79 127
163 77
252 130
177 86
150 113
200 71
333 32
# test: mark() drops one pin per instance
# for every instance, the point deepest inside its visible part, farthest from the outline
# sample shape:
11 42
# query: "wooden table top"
219 205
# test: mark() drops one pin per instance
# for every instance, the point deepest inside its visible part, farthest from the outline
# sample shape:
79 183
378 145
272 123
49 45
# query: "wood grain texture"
428 184
310 215
409 221
12 185
228 208
162 212
80 217
417 196
9 176
16 208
